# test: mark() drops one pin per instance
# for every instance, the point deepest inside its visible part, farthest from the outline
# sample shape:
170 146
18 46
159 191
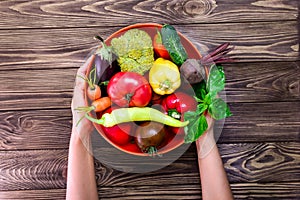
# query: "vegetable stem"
97 121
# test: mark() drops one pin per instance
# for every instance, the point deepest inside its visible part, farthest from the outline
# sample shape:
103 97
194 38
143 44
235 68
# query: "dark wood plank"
269 191
261 41
38 81
262 82
24 14
257 41
35 101
276 81
262 162
244 163
277 121
43 129
50 194
47 48
35 169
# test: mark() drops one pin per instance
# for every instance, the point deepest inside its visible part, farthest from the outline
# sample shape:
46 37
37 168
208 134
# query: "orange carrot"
101 104
97 105
93 92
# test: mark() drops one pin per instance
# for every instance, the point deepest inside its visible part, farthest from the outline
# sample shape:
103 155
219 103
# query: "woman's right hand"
206 142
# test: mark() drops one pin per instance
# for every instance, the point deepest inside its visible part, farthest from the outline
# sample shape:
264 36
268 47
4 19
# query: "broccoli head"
134 51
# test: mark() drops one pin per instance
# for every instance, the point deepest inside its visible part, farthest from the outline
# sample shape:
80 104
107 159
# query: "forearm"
214 182
81 181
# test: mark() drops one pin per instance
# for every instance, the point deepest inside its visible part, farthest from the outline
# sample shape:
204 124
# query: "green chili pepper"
121 115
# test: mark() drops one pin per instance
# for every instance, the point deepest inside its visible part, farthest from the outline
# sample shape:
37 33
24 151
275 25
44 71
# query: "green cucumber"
171 41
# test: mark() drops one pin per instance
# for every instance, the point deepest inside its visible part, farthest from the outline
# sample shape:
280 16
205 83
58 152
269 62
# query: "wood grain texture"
252 122
245 163
66 13
68 48
259 41
262 162
43 129
44 42
50 194
271 191
276 81
262 82
268 191
36 169
38 81
35 101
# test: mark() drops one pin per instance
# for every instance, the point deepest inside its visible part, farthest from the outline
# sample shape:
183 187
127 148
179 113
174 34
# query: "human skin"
81 179
214 182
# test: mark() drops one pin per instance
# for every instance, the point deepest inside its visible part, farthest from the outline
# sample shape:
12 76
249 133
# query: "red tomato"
159 48
129 89
132 147
118 134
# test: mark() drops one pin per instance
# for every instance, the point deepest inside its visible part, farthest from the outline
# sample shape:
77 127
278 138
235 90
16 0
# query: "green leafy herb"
208 101
218 109
216 80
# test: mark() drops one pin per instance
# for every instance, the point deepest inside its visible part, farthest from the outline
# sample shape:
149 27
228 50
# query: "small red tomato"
129 89
131 147
159 48
118 134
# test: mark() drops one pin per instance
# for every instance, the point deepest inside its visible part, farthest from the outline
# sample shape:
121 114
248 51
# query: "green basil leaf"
218 109
216 80
228 112
191 131
201 107
207 99
190 115
195 129
202 127
200 90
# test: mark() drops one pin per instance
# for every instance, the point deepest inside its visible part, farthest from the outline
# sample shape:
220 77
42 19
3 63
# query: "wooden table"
44 42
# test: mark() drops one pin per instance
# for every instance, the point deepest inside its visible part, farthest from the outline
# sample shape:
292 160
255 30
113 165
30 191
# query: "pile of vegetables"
141 99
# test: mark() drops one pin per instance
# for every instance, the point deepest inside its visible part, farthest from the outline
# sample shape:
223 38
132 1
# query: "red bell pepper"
176 104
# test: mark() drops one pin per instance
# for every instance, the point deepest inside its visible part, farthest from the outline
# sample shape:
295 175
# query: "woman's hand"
81 181
214 182
81 125
206 142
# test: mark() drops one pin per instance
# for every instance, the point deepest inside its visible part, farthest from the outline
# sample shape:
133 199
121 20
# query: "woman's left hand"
81 125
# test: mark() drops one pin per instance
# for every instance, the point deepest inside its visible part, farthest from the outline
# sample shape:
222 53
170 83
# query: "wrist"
205 144
81 138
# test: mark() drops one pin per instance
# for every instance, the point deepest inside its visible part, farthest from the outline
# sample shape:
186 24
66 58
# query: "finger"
83 69
81 72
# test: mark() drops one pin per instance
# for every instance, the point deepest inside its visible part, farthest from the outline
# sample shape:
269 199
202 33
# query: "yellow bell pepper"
164 77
